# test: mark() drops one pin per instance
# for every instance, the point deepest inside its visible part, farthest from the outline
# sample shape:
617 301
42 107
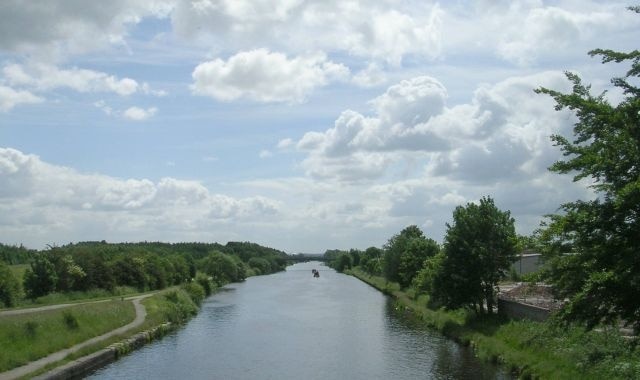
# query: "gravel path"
15 373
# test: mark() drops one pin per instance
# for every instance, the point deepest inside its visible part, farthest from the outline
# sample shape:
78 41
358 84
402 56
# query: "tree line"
591 247
143 266
479 247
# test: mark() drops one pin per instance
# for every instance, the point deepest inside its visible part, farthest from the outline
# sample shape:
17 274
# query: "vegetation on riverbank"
530 349
99 269
27 337
172 306
32 334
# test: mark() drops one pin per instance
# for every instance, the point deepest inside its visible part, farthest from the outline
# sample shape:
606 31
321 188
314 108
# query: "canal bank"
82 367
162 312
527 349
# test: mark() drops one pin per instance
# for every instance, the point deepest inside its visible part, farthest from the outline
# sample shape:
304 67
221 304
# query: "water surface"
291 325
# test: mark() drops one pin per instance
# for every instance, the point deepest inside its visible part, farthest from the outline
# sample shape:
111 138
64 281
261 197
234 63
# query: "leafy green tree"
69 273
262 266
12 255
394 249
156 270
371 260
479 248
130 271
9 286
221 267
41 278
343 262
356 255
600 239
412 259
426 279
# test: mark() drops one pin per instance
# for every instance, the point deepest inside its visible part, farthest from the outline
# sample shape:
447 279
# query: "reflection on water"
291 325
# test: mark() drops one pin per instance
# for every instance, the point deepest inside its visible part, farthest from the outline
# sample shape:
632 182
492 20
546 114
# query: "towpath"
15 373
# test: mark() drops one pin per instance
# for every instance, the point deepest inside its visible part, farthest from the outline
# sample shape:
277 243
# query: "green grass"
530 349
28 337
78 297
169 305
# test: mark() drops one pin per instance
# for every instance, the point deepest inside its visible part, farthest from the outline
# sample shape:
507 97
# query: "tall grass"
28 337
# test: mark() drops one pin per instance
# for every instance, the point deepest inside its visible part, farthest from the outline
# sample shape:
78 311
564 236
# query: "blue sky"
301 125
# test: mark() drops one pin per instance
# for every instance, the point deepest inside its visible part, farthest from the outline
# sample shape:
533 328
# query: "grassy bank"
529 349
35 335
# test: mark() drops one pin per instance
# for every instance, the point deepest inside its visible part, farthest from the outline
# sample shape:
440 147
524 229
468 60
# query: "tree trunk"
489 297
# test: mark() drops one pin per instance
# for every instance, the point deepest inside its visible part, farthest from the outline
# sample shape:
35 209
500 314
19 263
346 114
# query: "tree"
9 286
260 265
343 262
394 249
594 244
371 260
41 278
221 267
413 258
479 248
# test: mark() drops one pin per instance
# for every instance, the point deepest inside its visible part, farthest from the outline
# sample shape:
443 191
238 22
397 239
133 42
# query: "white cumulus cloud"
265 76
10 98
49 202
139 114
44 77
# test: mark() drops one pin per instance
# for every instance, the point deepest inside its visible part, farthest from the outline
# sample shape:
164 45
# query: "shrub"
196 292
70 320
9 286
31 328
206 284
181 306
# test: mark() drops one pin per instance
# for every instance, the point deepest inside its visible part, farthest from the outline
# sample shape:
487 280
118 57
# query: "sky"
296 124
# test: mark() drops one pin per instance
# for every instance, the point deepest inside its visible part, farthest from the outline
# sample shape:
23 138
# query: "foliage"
13 255
261 265
425 280
86 267
70 320
40 278
394 249
413 258
9 286
221 267
371 260
343 262
180 307
195 290
594 243
205 283
531 349
478 251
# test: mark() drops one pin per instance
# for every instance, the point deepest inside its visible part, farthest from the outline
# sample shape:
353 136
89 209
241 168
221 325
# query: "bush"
9 286
181 306
70 320
195 291
205 283
262 266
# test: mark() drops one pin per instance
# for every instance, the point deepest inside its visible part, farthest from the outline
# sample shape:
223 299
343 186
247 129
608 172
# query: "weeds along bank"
531 350
36 335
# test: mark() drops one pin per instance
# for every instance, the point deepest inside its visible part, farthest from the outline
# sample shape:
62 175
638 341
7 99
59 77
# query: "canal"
291 325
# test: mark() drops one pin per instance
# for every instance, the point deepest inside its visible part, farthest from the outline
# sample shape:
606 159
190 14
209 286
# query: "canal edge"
82 367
